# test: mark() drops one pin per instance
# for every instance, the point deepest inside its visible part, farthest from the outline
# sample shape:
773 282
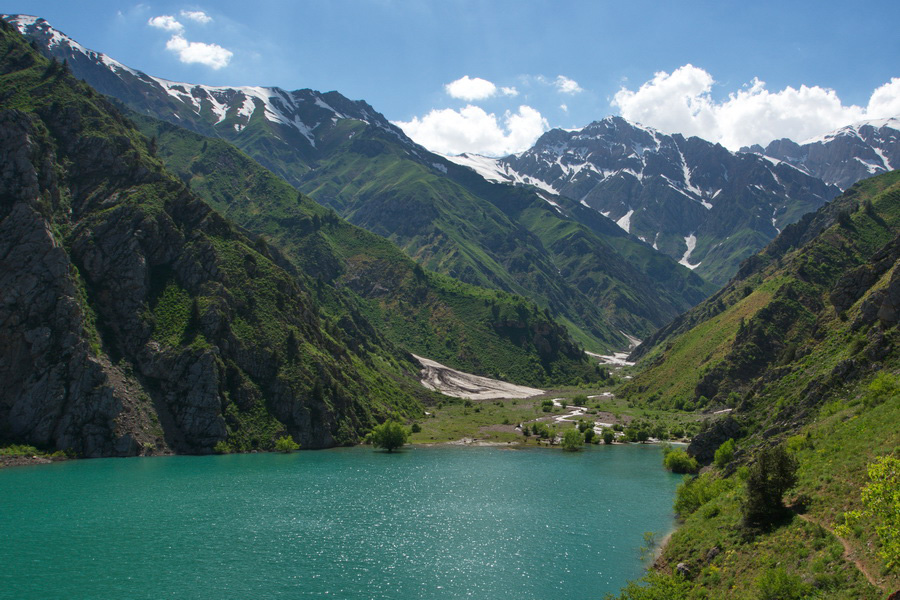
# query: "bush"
725 454
222 447
882 507
286 444
678 461
773 474
694 492
589 436
608 436
416 428
572 440
390 435
777 584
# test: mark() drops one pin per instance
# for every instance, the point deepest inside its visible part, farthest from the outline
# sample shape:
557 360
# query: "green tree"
724 454
773 474
608 436
881 499
678 461
286 444
572 440
589 436
390 435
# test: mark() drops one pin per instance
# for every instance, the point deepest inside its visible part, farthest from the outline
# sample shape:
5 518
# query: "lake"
428 522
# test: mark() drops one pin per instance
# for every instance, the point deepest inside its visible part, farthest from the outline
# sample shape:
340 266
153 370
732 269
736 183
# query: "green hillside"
142 321
478 330
803 346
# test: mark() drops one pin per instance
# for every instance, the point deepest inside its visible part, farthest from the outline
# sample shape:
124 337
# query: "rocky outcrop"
704 445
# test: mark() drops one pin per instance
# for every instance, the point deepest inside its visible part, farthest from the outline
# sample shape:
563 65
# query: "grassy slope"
474 329
815 394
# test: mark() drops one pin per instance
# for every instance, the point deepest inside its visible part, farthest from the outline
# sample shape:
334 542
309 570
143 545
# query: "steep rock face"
135 318
692 200
844 156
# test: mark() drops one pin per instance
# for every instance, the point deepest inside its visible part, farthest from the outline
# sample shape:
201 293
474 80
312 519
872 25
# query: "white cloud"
196 15
475 88
166 22
564 107
566 85
681 102
885 101
471 129
211 55
471 88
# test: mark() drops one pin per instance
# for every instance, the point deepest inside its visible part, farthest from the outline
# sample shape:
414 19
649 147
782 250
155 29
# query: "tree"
572 440
678 461
608 436
286 444
390 435
724 454
773 474
881 499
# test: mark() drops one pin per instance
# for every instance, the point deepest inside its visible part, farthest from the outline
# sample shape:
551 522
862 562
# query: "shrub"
222 447
694 492
572 440
881 500
777 584
589 436
390 435
773 473
286 444
608 436
725 454
416 428
678 461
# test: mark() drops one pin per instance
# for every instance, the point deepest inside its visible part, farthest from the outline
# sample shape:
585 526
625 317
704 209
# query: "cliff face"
135 319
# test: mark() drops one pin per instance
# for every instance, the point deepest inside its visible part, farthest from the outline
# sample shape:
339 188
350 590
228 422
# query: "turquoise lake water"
439 522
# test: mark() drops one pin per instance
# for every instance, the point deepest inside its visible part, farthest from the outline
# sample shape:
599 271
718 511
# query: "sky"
490 76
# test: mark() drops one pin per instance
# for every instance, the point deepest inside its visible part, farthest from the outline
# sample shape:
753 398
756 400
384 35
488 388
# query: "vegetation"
771 475
724 454
390 435
678 461
572 440
286 444
881 500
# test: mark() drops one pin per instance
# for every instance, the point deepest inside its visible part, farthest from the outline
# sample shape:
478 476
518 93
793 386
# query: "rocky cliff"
133 318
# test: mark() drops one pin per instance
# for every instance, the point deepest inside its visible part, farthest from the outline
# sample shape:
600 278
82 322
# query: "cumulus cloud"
211 55
566 85
166 22
196 15
471 129
475 88
681 102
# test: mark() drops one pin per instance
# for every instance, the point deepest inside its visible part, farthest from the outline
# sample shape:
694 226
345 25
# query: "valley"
609 337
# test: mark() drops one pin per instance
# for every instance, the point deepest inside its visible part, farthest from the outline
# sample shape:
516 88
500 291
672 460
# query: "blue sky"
734 72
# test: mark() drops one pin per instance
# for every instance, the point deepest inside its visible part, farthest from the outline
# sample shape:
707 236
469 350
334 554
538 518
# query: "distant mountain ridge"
695 201
844 156
350 158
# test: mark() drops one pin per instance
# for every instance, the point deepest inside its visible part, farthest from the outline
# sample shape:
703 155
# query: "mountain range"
344 154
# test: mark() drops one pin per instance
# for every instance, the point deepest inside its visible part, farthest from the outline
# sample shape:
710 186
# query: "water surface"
441 522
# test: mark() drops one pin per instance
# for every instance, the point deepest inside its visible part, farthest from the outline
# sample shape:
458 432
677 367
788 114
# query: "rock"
683 570
704 445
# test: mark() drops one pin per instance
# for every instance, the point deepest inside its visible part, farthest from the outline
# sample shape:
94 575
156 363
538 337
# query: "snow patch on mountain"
691 242
625 222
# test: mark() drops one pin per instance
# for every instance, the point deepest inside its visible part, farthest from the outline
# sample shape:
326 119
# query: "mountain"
692 200
348 157
478 330
135 319
844 156
800 349
828 276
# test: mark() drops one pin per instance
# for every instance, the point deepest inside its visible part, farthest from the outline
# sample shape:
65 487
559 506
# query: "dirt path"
849 553
458 384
